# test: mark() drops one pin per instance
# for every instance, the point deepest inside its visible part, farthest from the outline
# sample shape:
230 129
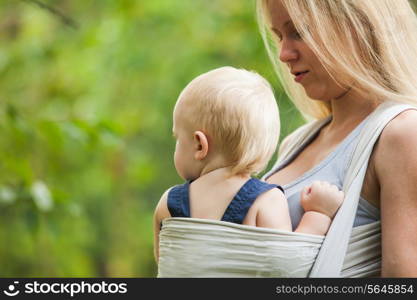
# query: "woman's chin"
317 97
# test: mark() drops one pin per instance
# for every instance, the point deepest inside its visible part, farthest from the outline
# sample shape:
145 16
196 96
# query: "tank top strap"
179 200
243 200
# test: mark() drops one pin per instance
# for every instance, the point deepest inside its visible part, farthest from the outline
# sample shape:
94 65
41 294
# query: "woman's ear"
201 145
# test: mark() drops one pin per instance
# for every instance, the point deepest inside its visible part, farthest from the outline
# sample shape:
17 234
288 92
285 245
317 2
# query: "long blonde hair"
370 43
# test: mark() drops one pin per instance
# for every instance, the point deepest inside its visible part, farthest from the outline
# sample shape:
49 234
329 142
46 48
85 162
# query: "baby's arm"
320 201
270 210
161 212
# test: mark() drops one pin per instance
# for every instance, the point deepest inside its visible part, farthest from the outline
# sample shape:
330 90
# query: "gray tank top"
332 169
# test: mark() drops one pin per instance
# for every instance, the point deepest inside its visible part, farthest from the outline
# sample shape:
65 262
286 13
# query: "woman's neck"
349 110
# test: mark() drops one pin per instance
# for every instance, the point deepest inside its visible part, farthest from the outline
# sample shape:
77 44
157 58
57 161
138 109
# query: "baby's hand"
322 197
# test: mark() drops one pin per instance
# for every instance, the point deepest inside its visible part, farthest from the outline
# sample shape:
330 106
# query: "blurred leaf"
7 195
42 196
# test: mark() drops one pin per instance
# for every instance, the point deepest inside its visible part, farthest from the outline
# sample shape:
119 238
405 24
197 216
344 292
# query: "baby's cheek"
177 161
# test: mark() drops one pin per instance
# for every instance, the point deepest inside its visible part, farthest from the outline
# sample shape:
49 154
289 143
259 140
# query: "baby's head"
226 117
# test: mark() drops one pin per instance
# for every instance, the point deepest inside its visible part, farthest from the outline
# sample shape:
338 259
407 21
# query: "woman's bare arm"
396 171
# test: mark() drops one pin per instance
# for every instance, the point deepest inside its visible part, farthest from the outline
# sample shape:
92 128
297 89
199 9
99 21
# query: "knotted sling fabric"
206 248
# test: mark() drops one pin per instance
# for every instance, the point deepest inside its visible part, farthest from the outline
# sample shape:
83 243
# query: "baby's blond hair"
238 111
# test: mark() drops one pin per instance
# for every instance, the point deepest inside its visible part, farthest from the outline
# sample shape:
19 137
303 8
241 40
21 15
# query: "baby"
226 126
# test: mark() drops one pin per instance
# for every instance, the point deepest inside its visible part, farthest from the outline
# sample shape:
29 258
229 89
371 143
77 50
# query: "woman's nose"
288 53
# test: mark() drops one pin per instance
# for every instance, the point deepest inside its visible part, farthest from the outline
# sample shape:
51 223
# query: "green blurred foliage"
85 120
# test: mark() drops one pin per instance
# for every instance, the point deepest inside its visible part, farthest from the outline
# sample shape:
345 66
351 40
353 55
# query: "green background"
85 121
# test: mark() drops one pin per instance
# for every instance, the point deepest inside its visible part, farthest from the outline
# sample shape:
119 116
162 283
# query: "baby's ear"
201 145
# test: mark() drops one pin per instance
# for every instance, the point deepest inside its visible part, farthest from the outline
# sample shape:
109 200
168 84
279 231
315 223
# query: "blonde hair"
370 43
238 111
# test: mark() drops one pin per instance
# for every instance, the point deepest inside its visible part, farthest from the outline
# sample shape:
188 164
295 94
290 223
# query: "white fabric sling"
191 247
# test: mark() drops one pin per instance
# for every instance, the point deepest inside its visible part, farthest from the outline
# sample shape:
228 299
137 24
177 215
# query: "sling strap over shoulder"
330 258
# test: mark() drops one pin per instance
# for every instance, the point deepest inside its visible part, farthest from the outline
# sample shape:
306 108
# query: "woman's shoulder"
401 129
398 140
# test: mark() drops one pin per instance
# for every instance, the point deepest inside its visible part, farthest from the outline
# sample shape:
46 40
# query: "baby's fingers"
305 192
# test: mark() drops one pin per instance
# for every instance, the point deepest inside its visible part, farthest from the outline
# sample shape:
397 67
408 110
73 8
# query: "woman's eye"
296 35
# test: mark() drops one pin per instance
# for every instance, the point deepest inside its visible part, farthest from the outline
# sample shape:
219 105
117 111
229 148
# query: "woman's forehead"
279 15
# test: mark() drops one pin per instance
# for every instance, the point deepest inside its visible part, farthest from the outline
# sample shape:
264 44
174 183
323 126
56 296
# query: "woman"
340 59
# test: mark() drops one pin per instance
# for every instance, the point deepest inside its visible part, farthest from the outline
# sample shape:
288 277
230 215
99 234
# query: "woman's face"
299 58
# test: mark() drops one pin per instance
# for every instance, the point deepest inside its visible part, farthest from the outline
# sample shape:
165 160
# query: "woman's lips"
300 76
